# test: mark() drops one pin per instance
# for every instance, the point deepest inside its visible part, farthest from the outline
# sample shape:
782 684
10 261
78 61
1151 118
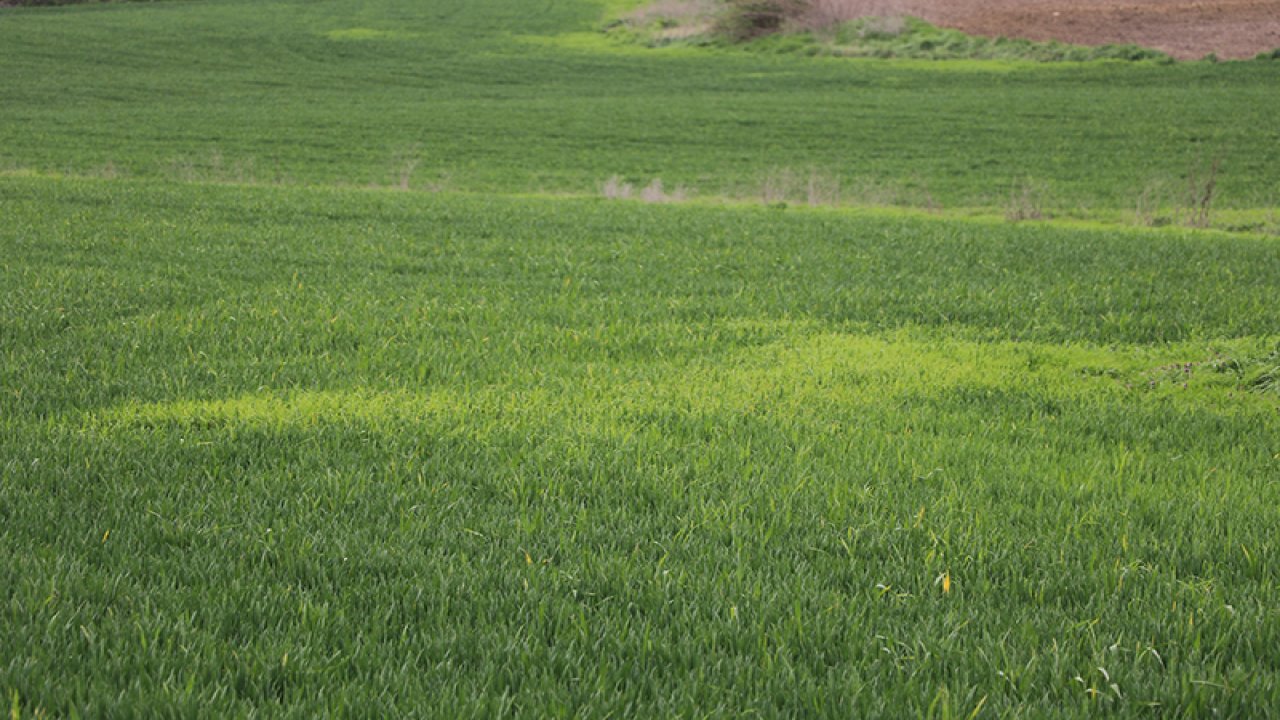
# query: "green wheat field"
456 358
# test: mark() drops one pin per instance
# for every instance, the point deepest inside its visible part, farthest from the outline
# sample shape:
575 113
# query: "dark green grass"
287 451
498 95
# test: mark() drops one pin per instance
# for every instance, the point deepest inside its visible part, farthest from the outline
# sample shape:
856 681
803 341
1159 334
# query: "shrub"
749 19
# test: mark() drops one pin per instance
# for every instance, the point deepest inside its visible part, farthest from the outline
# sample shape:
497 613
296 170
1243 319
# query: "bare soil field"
1183 28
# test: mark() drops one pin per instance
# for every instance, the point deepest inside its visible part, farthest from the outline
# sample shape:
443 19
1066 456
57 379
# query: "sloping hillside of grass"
496 97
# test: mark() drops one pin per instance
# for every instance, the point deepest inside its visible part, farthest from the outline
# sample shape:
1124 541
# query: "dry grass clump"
813 187
746 19
654 192
778 185
107 171
1161 202
674 11
616 188
817 15
213 168
817 187
1026 201
671 20
1154 200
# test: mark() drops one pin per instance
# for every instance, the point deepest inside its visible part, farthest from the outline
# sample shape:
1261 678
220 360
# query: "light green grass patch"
809 376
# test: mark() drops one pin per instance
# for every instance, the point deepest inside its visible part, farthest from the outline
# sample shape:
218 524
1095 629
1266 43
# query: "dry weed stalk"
777 186
1025 202
406 172
822 189
866 192
1202 186
184 168
930 203
403 162
1154 198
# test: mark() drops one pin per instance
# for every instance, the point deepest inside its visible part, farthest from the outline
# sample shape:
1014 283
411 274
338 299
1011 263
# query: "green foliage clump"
743 20
1258 372
909 37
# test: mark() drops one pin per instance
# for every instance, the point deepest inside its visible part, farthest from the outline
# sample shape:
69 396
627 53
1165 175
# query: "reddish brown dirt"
1183 28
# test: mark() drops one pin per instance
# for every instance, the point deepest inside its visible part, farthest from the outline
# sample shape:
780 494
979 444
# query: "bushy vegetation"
749 19
837 29
908 37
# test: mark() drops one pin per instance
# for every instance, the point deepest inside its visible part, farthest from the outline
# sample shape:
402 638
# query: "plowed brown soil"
1183 28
